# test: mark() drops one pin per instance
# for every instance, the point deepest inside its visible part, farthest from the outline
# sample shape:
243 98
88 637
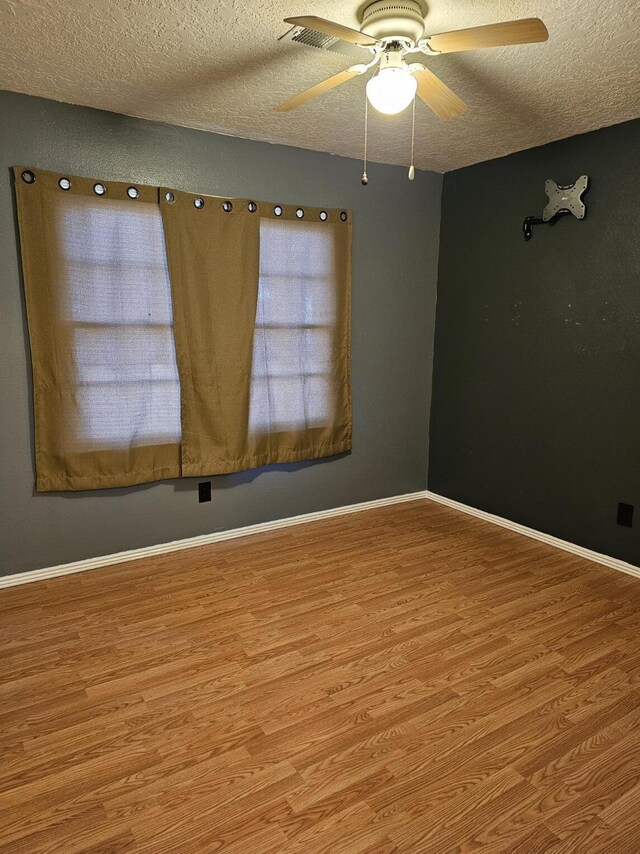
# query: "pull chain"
412 171
365 179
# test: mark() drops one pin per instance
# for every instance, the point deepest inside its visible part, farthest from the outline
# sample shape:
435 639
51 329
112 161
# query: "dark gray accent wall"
536 386
395 251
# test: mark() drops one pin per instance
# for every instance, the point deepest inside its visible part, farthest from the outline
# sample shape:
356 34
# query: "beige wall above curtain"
180 335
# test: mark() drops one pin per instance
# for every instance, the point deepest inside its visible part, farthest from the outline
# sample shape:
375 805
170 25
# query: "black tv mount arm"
530 221
564 199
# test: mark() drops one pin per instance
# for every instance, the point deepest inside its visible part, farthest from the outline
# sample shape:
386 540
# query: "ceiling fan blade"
437 95
320 88
524 31
321 25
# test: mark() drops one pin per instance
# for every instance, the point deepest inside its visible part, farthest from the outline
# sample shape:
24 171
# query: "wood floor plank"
400 681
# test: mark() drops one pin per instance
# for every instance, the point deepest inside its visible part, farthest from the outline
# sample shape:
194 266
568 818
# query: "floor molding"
203 540
262 527
556 542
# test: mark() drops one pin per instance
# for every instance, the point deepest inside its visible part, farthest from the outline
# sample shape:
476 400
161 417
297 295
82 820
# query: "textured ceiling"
217 65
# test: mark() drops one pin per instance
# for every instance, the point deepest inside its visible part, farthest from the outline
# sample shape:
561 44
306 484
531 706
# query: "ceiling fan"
392 32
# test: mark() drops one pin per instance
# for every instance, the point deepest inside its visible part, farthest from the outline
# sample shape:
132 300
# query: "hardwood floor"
407 679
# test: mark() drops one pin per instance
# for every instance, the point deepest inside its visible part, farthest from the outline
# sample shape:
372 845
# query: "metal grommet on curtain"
277 210
344 216
252 207
227 206
132 192
169 197
198 203
99 189
300 213
28 177
64 184
323 216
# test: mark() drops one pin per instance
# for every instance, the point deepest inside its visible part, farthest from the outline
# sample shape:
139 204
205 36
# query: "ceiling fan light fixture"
391 90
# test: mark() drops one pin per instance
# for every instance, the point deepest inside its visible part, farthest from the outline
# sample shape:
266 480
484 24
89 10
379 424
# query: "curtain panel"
175 334
94 303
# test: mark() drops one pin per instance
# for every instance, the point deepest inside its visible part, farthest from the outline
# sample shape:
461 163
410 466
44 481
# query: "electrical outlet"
625 515
204 491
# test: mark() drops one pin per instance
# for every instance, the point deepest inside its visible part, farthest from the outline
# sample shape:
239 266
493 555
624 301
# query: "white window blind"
291 383
120 322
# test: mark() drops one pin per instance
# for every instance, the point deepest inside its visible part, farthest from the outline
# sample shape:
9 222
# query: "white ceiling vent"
322 41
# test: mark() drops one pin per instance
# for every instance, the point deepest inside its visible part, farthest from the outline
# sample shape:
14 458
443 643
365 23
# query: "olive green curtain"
180 335
258 393
85 258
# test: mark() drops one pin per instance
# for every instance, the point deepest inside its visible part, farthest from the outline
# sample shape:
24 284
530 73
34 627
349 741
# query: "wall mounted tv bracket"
564 199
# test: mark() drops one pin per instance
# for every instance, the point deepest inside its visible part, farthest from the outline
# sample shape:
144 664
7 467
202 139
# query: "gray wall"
536 387
395 251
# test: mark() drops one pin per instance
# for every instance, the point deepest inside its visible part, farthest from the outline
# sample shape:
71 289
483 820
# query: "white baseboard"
556 542
203 540
233 533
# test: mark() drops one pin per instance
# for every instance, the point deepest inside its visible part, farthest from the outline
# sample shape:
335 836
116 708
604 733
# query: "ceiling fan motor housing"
393 18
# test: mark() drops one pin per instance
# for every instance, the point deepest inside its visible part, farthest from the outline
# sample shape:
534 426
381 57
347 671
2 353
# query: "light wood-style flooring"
407 679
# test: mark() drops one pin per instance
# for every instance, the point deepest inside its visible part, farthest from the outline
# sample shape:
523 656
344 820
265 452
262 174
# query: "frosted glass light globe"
392 90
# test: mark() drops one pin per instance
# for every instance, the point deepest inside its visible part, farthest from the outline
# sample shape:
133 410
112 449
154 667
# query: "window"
177 335
291 383
118 309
